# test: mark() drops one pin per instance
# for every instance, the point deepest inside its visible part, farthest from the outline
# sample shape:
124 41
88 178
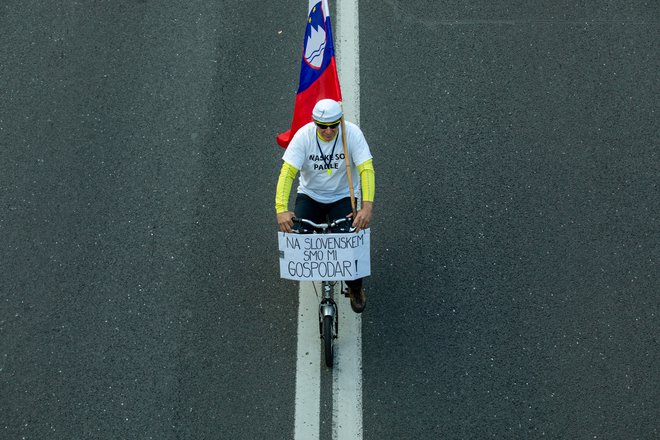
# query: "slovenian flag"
318 70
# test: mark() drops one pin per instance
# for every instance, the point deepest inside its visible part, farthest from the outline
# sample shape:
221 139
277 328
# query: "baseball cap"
327 111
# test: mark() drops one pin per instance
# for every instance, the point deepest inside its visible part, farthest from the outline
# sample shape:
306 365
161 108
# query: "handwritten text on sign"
332 257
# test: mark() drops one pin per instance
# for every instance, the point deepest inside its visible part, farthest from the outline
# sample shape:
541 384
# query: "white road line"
347 50
308 373
347 376
347 371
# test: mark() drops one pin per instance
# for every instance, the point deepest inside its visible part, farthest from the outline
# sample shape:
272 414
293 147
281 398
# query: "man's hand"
363 217
285 221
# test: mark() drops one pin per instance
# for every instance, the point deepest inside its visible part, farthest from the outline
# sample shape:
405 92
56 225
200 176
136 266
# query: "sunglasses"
324 126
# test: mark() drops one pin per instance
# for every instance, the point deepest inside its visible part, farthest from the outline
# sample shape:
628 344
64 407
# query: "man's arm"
282 194
368 185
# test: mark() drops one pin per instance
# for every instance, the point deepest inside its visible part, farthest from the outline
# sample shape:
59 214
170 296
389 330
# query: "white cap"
327 111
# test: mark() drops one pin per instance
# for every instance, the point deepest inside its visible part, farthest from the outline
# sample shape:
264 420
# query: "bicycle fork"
328 307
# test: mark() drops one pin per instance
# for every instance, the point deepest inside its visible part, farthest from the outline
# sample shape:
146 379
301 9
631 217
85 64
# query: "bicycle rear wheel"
328 340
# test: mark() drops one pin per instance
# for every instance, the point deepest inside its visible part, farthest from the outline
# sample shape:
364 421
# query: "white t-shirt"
322 165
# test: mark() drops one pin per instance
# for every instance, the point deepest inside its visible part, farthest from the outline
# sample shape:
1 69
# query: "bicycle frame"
327 306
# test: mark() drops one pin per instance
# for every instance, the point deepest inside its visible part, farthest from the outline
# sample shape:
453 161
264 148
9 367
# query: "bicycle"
328 312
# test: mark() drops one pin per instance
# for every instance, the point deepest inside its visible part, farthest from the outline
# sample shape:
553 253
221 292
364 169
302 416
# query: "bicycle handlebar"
322 226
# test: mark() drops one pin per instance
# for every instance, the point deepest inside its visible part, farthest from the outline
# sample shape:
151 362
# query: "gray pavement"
136 179
515 292
515 248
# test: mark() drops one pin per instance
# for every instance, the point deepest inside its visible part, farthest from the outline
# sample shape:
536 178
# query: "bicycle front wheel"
328 341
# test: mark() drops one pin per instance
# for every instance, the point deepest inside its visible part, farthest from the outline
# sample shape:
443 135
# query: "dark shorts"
308 208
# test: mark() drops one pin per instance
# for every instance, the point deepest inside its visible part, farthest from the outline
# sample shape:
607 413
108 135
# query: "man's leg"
337 210
308 208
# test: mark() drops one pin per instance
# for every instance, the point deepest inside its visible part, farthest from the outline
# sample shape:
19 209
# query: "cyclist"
317 151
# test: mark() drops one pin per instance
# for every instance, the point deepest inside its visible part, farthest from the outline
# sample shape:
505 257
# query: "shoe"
358 301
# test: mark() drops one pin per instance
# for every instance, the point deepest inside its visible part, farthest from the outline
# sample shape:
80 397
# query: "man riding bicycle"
317 151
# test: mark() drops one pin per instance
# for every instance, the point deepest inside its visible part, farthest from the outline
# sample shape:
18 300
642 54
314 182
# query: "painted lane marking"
347 371
347 48
347 376
308 366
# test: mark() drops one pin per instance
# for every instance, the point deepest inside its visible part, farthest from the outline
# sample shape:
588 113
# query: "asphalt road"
514 251
516 293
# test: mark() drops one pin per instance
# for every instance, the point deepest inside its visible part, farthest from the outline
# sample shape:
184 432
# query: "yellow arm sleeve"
367 180
283 192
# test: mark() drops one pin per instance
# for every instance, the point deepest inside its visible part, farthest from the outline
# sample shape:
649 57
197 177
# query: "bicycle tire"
328 341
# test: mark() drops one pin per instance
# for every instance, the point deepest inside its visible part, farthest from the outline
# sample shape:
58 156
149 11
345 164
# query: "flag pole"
348 166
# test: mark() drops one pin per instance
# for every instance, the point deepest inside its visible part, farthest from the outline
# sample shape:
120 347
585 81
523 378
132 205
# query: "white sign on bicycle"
329 257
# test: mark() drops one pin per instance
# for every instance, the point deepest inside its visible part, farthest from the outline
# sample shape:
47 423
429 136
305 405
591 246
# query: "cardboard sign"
330 257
